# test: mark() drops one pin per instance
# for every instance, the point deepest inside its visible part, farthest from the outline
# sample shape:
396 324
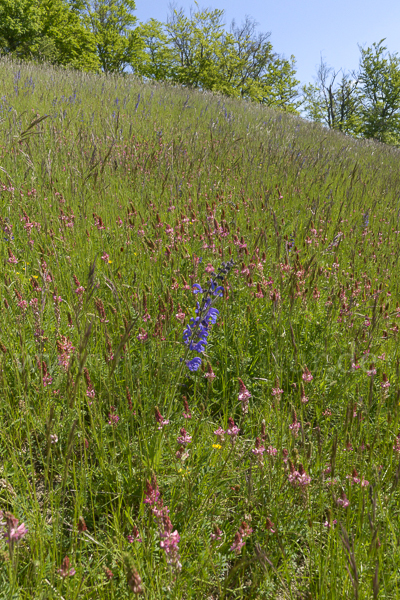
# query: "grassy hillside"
116 198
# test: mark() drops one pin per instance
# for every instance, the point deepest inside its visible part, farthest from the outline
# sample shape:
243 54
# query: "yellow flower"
35 276
217 446
109 262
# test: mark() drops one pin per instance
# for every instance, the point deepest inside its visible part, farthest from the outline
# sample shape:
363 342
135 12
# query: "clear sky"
305 28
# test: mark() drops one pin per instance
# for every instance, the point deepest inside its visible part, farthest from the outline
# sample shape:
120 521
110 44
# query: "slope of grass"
116 197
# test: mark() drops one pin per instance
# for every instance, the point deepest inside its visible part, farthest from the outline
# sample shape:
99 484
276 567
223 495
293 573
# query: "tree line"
200 52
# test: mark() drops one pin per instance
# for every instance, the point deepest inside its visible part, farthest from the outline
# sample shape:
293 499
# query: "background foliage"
197 51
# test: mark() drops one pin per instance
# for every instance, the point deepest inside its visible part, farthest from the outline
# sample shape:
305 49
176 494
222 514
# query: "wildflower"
272 451
307 377
186 414
135 536
53 438
245 530
244 393
160 419
220 433
64 570
328 525
169 543
217 446
134 580
90 393
108 573
12 259
295 426
180 316
209 373
355 479
385 382
105 257
184 438
303 396
372 371
142 337
259 449
396 448
238 543
79 288
299 477
244 396
113 418
152 492
217 535
194 364
46 379
270 526
195 335
65 349
343 501
259 293
12 532
100 309
233 430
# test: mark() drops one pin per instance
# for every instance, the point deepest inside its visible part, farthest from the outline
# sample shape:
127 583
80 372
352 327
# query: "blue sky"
305 28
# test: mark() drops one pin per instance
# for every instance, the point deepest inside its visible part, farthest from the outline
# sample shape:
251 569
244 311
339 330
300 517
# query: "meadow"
199 365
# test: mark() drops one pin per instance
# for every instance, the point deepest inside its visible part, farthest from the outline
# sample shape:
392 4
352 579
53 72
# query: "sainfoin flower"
160 419
184 438
243 532
232 430
65 570
12 532
238 543
220 433
244 396
307 377
152 492
343 501
259 449
299 477
217 535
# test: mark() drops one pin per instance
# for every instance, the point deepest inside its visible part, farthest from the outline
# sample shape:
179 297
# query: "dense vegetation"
198 51
260 459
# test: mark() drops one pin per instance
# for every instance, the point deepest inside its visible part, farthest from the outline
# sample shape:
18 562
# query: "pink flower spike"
307 377
259 449
244 393
184 438
217 535
65 571
238 543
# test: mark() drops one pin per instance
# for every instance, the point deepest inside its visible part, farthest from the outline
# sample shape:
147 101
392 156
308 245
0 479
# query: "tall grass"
116 197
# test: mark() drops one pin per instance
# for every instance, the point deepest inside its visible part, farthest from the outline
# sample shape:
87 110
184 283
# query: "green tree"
64 29
334 102
155 59
52 30
20 26
118 43
197 51
380 93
